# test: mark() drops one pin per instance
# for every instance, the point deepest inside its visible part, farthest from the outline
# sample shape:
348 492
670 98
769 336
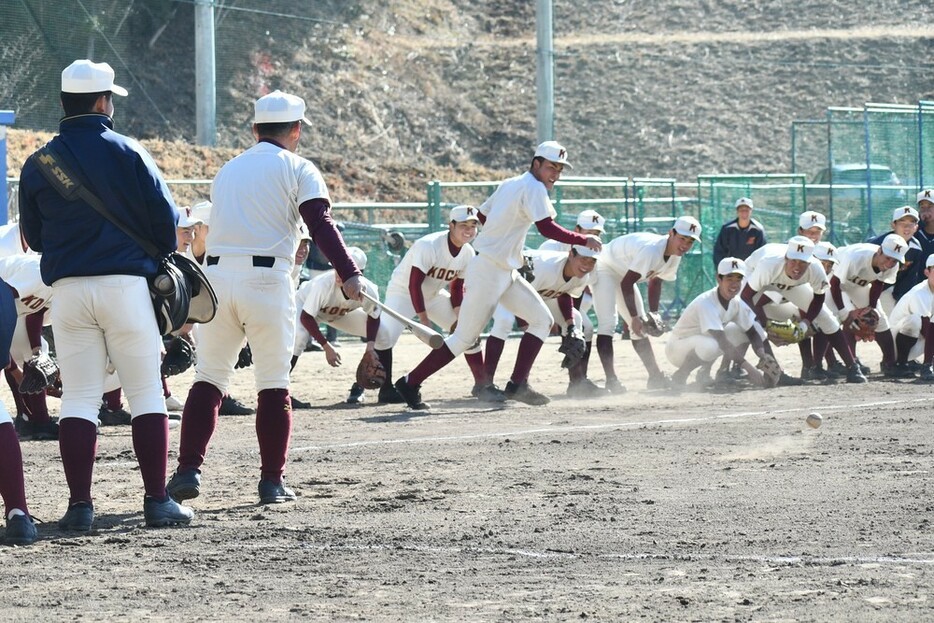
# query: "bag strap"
69 186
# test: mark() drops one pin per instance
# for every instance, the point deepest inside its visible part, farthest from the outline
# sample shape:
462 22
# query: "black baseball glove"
179 356
654 325
245 360
39 372
572 347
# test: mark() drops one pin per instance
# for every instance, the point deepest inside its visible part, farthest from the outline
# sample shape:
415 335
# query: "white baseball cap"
554 152
463 213
304 234
84 76
585 251
895 247
186 218
799 248
930 261
826 251
731 266
744 201
904 211
358 256
591 219
926 195
202 211
688 226
279 107
811 219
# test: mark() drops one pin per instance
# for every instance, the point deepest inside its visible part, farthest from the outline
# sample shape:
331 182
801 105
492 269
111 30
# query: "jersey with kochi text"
21 272
854 268
548 271
431 255
255 199
514 206
326 302
769 273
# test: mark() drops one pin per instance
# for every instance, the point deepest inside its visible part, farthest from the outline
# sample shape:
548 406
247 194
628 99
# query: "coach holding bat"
258 199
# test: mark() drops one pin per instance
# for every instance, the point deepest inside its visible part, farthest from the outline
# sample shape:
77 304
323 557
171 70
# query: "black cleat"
927 374
185 484
389 395
491 393
411 395
78 517
299 404
788 381
274 492
356 395
232 406
585 388
20 530
614 386
118 417
167 512
814 373
897 371
855 374
658 381
523 392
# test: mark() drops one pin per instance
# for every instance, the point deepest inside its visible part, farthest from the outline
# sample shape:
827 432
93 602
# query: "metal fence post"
7 117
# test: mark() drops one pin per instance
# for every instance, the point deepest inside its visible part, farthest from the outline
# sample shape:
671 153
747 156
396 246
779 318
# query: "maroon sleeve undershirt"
457 292
548 228
836 293
814 308
317 216
482 217
566 305
34 328
655 293
372 326
927 331
311 325
748 295
630 279
875 291
416 278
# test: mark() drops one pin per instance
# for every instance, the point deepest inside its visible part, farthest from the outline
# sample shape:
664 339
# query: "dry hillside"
405 91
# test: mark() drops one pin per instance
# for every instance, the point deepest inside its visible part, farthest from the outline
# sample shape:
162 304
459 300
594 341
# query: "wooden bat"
427 335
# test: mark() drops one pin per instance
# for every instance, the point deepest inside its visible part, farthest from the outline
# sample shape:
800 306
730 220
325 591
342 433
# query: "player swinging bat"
425 334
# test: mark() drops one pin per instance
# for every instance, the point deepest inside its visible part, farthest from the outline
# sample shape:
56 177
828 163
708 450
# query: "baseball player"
905 224
429 284
741 236
588 222
911 323
21 273
715 323
257 199
103 308
558 278
492 276
20 529
324 301
793 285
629 260
856 287
925 233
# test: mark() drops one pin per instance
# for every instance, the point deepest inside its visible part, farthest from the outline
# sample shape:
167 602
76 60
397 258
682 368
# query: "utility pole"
545 71
205 87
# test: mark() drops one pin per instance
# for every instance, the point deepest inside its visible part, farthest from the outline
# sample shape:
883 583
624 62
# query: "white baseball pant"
859 298
439 310
609 304
797 300
911 325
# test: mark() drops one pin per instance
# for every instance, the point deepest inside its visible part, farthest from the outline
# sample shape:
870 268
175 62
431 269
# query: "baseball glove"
179 356
572 347
786 332
39 372
245 359
370 372
862 323
771 371
653 325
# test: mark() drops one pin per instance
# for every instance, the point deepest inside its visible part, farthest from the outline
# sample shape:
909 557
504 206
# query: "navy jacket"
912 273
74 239
739 243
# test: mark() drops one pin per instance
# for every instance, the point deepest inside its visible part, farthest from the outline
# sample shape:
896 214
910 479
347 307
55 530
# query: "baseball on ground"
814 420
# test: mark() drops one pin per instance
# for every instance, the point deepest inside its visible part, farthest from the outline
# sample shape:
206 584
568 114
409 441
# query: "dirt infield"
652 506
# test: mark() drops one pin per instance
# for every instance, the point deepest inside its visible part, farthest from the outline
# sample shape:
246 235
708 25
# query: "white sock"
14 513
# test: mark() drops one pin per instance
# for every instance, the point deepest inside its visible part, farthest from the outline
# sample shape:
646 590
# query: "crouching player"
326 302
558 278
911 324
715 323
793 285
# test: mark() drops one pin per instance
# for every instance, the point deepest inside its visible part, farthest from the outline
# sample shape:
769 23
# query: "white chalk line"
587 427
919 559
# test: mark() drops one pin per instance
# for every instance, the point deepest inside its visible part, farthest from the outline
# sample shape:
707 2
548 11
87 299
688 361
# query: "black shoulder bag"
181 293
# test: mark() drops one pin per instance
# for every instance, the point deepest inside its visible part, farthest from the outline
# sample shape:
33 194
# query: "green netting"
926 144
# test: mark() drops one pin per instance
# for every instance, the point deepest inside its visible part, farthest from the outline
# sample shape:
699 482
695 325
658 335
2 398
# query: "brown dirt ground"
648 506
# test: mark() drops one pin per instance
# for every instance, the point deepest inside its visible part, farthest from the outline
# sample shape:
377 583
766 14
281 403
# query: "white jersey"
554 245
705 314
771 249
11 242
255 201
854 268
430 254
769 273
549 281
919 301
514 206
21 272
325 302
643 253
